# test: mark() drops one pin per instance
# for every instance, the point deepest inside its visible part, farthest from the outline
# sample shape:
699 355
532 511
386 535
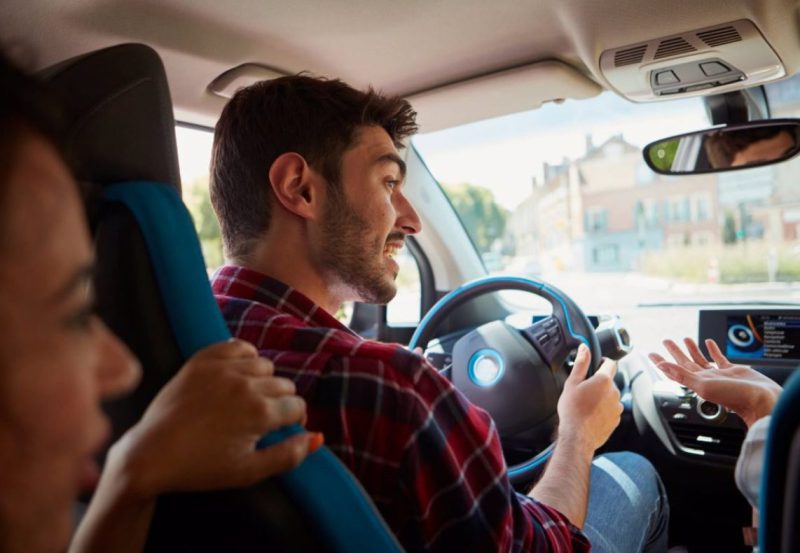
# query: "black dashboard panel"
768 338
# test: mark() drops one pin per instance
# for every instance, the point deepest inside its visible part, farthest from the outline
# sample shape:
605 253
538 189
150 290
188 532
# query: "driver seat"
153 291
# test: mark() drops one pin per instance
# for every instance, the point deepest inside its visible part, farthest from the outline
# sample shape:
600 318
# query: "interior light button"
667 77
712 68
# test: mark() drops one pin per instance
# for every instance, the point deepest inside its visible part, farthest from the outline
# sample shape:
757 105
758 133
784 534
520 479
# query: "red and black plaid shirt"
430 460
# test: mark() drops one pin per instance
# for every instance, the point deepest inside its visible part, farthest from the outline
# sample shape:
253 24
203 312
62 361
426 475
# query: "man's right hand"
589 408
589 411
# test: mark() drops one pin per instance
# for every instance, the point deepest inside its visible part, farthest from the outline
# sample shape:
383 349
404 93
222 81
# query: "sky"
194 153
504 154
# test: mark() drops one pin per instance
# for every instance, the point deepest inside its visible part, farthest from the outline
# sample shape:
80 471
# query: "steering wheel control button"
709 410
546 337
486 367
439 360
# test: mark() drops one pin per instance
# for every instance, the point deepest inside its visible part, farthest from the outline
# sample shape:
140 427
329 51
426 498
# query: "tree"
729 229
483 218
205 221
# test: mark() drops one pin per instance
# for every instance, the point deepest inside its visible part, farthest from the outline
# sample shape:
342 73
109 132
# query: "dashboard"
686 424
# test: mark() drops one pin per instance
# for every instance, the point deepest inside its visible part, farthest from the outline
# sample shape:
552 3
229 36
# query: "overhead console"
714 60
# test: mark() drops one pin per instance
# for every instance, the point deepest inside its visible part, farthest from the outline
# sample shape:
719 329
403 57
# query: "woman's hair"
25 105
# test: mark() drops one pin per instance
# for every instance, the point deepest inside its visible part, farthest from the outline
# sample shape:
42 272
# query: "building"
602 211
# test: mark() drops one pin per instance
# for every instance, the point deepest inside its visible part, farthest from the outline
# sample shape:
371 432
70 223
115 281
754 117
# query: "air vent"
630 56
713 440
720 36
673 47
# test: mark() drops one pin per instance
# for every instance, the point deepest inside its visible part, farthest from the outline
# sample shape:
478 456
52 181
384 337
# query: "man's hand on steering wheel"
589 409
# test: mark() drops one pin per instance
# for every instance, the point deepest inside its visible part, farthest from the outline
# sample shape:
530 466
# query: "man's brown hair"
314 117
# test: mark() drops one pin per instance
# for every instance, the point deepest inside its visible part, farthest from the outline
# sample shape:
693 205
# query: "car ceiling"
398 47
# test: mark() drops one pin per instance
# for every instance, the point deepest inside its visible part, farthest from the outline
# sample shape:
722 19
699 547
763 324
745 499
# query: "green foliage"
729 228
484 220
738 263
205 221
663 154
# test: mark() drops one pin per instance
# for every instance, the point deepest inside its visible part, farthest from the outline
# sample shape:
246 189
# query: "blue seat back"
779 500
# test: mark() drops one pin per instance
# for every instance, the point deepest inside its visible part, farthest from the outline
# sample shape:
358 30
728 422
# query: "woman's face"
57 360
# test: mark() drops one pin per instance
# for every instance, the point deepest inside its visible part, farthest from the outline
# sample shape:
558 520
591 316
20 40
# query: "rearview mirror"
725 148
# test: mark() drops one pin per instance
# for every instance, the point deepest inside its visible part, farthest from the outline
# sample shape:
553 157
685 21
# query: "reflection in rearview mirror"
724 149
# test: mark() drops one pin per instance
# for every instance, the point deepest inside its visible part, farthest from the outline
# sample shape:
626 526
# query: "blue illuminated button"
485 367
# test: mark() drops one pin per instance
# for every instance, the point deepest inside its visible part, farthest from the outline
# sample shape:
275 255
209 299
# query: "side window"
345 313
194 155
404 309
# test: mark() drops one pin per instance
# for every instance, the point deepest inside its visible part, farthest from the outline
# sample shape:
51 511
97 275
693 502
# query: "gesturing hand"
200 431
740 388
589 408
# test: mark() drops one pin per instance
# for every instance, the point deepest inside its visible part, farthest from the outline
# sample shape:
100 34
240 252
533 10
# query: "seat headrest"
118 114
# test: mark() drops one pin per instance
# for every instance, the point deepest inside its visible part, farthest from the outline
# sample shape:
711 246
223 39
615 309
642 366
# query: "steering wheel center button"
485 367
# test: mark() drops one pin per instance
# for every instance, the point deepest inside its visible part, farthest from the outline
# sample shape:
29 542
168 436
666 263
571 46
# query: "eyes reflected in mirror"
726 148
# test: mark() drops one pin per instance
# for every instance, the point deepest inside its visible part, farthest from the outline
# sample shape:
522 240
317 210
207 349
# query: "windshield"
562 194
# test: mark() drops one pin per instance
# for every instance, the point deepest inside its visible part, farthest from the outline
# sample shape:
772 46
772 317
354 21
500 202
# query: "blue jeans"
628 508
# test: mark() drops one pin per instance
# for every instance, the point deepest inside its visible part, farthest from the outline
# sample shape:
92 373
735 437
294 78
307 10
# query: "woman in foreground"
58 361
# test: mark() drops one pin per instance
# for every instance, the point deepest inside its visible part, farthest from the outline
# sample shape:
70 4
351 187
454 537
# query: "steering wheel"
515 375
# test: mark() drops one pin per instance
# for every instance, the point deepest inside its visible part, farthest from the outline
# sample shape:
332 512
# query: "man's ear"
294 185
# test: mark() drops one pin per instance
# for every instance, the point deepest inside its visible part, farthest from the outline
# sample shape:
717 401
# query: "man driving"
308 184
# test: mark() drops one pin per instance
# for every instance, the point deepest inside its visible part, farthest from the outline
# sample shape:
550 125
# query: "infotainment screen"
760 337
772 336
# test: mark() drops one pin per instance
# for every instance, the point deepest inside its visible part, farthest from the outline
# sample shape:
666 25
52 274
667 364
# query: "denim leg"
628 508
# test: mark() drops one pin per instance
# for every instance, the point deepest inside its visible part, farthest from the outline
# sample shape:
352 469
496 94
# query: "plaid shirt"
430 460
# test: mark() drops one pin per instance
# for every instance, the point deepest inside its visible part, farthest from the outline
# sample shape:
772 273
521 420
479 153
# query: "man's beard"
348 254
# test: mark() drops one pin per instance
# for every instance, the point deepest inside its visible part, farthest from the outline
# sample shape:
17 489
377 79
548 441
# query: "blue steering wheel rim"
495 282
525 471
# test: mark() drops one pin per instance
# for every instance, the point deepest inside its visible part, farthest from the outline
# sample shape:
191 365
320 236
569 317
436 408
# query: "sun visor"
241 76
501 93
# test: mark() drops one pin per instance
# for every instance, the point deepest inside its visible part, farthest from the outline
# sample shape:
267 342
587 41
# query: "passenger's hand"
200 431
589 408
740 388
